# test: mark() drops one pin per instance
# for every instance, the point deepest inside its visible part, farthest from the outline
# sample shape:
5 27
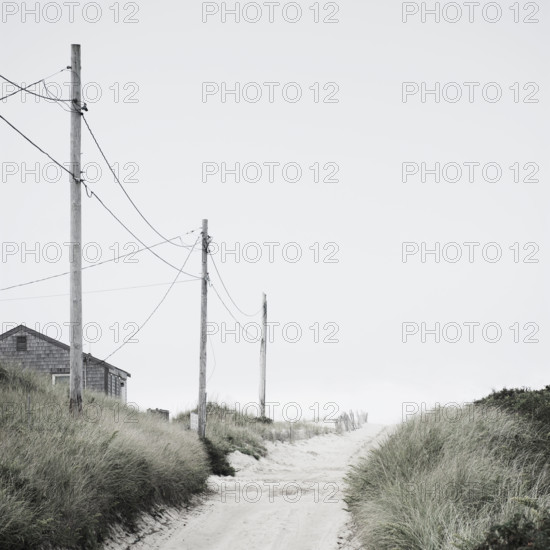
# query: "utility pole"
263 356
75 337
202 378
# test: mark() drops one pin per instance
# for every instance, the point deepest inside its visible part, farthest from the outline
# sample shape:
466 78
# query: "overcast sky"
154 116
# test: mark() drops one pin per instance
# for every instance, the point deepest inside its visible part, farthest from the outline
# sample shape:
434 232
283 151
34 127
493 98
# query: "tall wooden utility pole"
75 326
263 357
202 378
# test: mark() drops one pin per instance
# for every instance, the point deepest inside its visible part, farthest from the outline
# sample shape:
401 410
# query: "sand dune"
292 499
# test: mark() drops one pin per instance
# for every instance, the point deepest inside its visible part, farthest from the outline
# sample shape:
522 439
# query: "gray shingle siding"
51 357
40 355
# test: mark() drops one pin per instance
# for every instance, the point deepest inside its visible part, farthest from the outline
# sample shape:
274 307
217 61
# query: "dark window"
21 343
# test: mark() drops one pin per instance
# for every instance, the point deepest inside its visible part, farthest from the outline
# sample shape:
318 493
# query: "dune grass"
442 482
65 481
230 430
533 405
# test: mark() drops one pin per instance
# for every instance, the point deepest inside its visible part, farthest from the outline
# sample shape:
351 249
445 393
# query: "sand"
292 499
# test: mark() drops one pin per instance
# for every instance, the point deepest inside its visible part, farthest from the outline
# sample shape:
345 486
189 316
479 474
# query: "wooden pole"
202 377
263 356
75 337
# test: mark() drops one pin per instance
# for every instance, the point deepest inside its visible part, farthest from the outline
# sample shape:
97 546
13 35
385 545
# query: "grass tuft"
229 430
65 481
441 483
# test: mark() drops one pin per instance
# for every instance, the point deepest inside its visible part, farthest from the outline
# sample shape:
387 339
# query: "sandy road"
292 499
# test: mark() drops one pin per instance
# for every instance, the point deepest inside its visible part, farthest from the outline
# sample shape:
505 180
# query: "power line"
88 266
120 184
180 271
214 357
228 293
70 110
223 303
229 311
39 148
94 195
97 291
26 88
